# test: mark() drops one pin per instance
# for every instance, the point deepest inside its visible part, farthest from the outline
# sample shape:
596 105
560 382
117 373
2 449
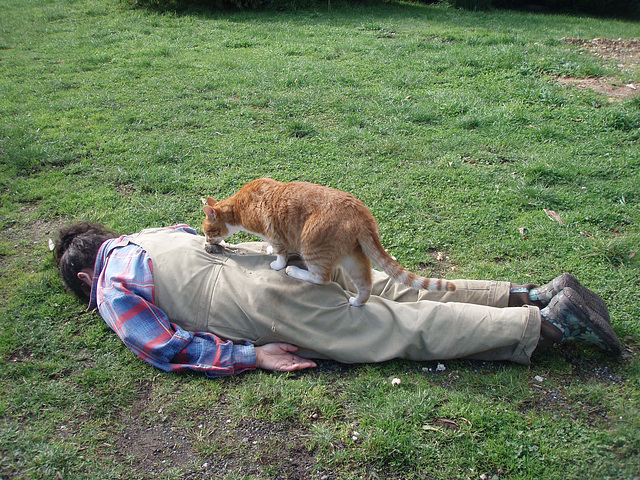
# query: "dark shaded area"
623 9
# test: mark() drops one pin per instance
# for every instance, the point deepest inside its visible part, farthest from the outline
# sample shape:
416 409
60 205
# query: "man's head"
75 251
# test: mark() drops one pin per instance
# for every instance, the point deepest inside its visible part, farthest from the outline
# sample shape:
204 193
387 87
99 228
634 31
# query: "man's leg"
251 297
480 292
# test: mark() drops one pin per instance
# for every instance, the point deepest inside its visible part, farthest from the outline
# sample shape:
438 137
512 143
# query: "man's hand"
278 356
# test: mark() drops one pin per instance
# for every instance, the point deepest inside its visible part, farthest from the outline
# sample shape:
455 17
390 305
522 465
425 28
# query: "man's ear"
85 278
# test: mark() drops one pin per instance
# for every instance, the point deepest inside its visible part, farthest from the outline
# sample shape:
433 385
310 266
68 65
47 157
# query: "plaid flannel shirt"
123 293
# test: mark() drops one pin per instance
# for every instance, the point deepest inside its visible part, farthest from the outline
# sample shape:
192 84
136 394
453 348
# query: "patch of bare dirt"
625 54
34 231
152 444
607 86
153 449
23 240
148 445
25 234
260 449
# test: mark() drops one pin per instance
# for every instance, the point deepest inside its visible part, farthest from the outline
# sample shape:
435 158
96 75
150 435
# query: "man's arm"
124 297
147 331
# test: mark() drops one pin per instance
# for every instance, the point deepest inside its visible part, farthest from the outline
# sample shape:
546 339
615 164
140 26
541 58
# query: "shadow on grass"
624 9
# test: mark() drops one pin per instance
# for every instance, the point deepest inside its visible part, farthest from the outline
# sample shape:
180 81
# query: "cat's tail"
373 249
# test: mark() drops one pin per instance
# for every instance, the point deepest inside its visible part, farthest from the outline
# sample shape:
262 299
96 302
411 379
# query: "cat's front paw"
278 264
269 250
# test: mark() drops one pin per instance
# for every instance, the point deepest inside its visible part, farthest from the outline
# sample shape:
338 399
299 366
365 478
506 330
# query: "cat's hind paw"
354 302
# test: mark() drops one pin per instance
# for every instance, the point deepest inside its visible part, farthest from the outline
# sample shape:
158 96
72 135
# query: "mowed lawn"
490 145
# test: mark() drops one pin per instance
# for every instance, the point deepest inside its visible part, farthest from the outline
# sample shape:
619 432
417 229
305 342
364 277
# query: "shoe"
571 314
592 300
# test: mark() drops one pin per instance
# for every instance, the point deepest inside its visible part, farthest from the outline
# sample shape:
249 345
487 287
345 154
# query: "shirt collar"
101 259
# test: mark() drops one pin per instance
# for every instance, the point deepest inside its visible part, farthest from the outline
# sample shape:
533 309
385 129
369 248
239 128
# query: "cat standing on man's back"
323 225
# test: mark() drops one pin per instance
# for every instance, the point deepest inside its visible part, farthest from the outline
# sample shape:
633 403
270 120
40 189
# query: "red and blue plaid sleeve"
123 293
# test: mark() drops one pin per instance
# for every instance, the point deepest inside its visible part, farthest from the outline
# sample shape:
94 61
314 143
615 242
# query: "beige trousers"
237 296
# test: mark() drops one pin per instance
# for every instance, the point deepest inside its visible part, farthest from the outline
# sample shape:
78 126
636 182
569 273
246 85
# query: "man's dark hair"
76 248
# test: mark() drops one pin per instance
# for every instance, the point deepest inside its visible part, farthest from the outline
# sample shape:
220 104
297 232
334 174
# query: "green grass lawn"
452 126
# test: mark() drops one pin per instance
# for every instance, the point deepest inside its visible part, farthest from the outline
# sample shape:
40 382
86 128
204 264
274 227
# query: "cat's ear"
209 212
211 202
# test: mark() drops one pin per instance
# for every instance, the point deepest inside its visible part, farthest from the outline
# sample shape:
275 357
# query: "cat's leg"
281 257
318 274
306 275
358 267
279 263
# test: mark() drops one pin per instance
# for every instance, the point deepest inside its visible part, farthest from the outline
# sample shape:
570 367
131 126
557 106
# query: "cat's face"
215 230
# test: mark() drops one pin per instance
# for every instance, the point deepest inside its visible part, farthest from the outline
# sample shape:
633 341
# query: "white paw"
354 302
292 271
269 250
278 265
299 273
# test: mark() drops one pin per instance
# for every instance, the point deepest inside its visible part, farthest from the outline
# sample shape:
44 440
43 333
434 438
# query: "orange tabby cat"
323 225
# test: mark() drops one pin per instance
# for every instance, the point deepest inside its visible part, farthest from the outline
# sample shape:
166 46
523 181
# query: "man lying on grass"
179 308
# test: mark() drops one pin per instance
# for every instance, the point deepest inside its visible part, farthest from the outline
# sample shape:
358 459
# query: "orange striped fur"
323 225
